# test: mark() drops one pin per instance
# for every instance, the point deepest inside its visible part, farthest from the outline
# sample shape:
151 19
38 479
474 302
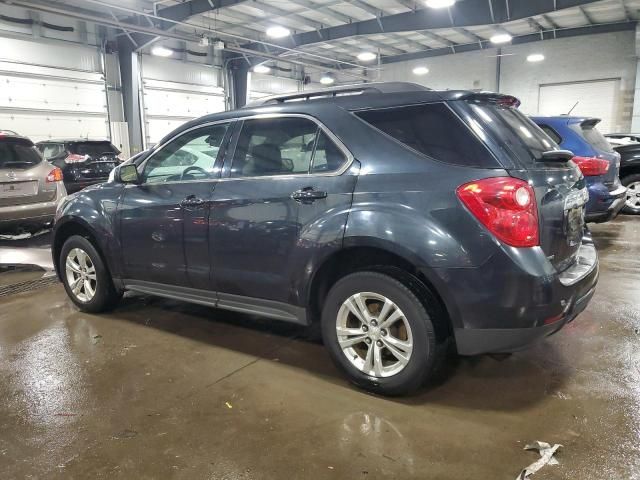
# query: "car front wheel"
85 277
379 333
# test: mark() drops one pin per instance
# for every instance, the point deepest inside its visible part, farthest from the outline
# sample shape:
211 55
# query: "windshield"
93 149
516 132
18 155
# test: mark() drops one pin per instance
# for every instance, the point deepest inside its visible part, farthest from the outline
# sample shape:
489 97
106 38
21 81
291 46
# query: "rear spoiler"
494 98
590 122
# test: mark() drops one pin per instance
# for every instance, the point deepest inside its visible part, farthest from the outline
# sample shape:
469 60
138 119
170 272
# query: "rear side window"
552 133
592 135
18 155
93 149
433 130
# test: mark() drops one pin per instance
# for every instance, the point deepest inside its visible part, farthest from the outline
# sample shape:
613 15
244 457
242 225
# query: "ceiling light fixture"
278 32
440 3
261 69
501 38
420 71
327 79
160 51
367 56
535 57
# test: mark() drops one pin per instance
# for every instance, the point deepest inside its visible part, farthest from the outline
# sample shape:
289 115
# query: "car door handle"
192 202
308 195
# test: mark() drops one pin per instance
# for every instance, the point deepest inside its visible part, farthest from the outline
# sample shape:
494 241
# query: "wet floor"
159 389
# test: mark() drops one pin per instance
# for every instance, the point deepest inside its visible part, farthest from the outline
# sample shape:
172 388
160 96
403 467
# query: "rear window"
433 130
515 131
93 149
592 135
18 155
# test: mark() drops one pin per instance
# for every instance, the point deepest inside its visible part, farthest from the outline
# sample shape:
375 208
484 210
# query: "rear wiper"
556 156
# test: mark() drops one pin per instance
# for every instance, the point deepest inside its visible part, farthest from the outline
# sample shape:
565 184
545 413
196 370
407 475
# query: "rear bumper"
14 216
516 298
604 204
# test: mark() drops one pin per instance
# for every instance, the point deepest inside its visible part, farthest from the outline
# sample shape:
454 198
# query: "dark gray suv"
396 217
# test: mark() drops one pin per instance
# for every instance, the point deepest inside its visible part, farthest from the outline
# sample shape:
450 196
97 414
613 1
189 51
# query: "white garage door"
176 92
52 91
261 85
598 98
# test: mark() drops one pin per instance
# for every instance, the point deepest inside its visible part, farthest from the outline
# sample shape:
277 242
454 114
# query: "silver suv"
30 188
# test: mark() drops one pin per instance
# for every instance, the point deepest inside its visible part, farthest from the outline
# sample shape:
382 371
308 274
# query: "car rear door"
163 221
268 210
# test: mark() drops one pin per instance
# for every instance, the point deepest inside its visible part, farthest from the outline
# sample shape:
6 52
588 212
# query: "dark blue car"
599 163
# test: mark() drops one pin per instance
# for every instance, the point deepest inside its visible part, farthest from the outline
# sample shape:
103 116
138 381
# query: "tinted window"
514 131
433 130
18 155
191 156
274 146
93 149
593 136
327 156
552 133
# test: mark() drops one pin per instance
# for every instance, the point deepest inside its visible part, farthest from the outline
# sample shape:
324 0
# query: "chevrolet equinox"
395 217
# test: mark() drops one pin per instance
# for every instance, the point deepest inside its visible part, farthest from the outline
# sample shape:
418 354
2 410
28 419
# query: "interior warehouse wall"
568 62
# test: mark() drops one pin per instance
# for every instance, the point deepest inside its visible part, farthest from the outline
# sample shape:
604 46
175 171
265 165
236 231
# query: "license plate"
18 189
574 225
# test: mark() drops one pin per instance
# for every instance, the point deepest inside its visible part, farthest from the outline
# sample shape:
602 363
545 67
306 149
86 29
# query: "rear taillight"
75 158
506 206
55 175
591 166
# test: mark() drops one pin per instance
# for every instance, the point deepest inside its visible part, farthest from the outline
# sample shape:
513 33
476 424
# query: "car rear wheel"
632 202
85 277
379 333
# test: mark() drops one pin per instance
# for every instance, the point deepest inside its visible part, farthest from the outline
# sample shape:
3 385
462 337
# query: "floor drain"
28 286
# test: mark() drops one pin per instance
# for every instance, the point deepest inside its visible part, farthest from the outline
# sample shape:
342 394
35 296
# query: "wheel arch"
378 257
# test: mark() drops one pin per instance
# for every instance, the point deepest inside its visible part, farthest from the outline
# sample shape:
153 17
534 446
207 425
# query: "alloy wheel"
81 275
633 196
374 334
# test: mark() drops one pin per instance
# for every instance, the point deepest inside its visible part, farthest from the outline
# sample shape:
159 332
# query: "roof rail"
344 90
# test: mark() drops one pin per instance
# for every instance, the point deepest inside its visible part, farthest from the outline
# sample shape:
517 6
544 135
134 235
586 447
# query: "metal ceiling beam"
587 17
466 13
533 37
181 12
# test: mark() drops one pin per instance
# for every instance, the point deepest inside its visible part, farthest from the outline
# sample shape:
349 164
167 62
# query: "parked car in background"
617 139
83 162
596 158
392 215
630 176
30 187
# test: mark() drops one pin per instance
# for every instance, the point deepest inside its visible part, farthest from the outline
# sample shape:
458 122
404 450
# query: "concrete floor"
159 389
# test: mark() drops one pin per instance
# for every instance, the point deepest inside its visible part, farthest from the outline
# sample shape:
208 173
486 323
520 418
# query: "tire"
633 183
413 326
104 297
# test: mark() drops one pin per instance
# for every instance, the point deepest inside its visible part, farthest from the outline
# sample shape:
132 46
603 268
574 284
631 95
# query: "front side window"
433 130
191 156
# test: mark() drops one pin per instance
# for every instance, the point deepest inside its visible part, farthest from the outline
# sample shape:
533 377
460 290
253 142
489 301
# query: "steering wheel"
195 169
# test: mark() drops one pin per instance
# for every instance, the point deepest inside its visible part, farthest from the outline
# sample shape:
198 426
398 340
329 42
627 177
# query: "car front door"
267 188
164 220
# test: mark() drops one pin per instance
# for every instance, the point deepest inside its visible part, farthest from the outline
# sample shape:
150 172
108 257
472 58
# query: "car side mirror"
128 174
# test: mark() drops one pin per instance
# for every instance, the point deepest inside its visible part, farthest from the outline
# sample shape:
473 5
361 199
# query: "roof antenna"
574 106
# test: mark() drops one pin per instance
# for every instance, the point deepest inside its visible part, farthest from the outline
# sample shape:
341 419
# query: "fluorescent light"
535 57
420 71
278 32
261 69
501 38
327 79
367 56
440 3
161 51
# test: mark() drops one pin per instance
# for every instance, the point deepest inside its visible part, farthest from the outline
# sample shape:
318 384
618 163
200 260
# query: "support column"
240 83
130 73
635 118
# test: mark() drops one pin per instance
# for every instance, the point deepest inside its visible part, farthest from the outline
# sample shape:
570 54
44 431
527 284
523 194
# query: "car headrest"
267 158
